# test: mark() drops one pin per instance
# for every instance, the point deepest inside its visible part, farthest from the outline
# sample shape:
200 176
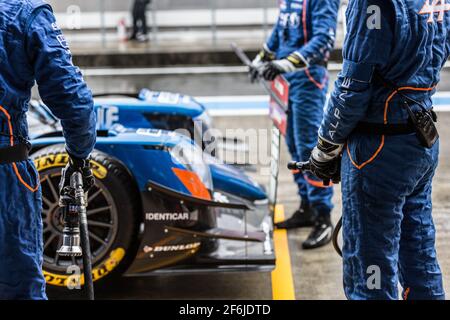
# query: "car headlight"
190 155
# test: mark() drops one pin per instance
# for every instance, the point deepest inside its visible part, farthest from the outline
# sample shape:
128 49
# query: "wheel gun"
305 167
75 233
301 166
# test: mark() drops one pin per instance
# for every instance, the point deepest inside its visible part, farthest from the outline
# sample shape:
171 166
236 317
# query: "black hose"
87 260
80 195
336 236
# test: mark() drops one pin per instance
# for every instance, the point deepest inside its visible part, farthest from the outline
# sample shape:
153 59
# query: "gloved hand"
274 68
77 165
325 161
264 56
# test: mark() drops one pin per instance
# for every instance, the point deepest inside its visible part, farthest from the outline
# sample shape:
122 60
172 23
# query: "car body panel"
146 153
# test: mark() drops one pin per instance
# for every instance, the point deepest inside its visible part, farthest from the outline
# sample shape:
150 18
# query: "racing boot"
303 217
322 232
142 38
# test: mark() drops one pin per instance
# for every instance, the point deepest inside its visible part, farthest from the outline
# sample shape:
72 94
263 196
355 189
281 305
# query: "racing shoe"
142 38
322 233
303 217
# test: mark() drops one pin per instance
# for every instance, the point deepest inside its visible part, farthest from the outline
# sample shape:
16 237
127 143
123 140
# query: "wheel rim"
102 220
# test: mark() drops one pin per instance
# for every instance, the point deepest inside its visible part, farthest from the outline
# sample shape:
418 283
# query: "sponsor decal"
172 248
168 216
289 19
149 132
61 159
100 271
62 41
55 26
164 97
220 197
169 98
435 9
107 116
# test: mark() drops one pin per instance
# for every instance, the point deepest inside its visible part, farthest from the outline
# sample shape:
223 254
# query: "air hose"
337 229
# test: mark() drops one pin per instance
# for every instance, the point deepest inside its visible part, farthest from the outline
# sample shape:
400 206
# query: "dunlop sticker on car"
173 248
98 272
61 159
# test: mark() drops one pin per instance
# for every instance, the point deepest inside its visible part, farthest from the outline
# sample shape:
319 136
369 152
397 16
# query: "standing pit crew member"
299 48
140 28
32 48
380 115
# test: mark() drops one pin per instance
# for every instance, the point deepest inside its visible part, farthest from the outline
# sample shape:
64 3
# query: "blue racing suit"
388 228
306 27
32 48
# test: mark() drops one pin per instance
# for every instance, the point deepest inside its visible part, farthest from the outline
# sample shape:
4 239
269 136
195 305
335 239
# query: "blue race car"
160 204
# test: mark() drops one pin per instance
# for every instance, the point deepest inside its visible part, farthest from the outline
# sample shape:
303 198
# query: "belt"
384 129
13 154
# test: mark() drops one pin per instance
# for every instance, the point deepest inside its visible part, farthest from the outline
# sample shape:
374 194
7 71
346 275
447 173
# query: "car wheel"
113 217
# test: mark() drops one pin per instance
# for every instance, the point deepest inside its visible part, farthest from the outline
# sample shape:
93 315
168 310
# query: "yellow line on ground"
282 280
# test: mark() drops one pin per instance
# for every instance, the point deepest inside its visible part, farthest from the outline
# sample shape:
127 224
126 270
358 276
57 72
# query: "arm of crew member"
366 49
321 41
61 85
273 42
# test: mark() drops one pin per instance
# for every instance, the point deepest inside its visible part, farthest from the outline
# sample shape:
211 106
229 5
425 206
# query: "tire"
114 216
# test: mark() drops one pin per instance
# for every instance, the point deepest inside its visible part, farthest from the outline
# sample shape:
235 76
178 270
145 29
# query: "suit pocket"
27 175
363 150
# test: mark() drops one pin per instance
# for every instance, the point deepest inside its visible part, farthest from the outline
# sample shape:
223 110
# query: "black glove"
253 74
77 165
327 171
271 71
274 68
258 63
325 161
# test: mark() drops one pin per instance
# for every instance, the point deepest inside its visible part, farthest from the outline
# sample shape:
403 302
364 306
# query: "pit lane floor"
316 274
313 274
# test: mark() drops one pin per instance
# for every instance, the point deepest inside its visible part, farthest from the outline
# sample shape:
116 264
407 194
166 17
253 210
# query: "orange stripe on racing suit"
11 142
318 85
315 183
305 28
386 108
305 36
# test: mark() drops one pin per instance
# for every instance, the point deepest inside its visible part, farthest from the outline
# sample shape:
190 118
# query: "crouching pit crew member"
32 48
380 116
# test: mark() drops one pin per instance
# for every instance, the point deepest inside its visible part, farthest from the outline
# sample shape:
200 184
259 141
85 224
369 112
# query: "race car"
147 109
160 204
